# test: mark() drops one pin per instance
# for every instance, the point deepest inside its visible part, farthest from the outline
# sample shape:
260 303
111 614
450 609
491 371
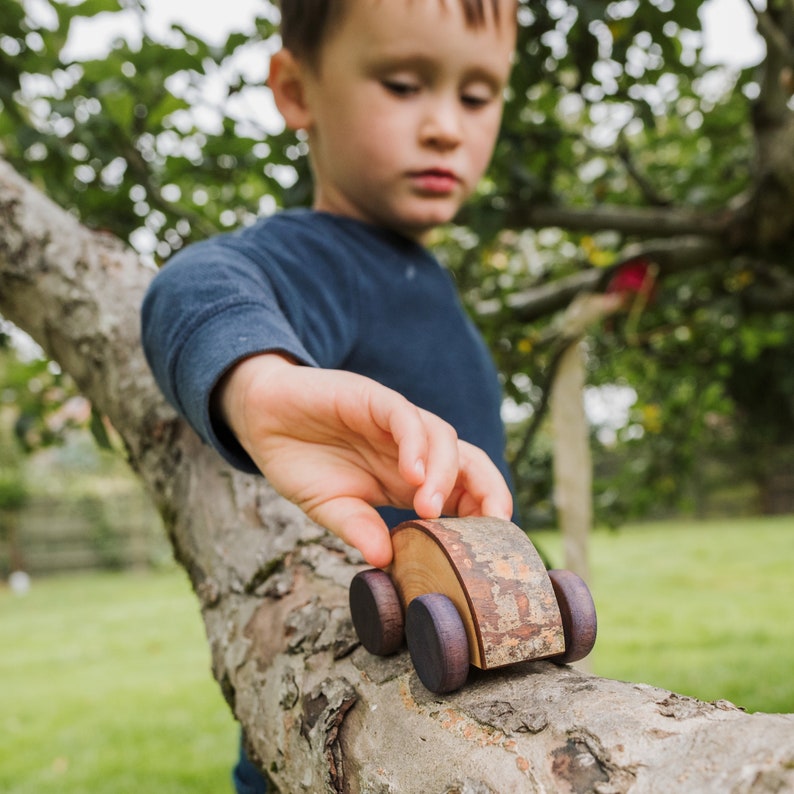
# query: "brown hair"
306 23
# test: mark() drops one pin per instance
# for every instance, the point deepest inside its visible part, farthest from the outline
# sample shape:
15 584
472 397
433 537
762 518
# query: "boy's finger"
404 422
358 525
486 491
443 468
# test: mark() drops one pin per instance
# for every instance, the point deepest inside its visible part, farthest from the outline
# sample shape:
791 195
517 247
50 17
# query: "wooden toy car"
470 591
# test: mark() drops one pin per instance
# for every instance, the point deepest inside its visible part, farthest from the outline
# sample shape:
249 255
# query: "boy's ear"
286 81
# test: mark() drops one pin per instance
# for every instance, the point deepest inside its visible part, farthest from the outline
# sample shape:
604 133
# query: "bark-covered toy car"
467 591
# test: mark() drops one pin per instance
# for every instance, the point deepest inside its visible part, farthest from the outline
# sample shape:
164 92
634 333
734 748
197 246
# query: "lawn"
704 609
106 688
106 684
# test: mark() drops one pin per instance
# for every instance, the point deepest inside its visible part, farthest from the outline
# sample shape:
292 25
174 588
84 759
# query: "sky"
730 35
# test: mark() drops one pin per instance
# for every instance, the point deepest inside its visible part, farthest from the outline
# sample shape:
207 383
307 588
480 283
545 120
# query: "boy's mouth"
435 181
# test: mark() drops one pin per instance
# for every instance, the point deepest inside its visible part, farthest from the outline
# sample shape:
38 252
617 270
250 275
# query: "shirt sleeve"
208 308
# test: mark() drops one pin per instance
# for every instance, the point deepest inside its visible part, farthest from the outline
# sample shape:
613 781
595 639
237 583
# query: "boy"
326 348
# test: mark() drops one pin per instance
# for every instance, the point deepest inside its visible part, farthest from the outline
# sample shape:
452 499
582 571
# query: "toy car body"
470 591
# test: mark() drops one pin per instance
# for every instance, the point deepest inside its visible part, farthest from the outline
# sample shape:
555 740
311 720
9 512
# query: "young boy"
326 348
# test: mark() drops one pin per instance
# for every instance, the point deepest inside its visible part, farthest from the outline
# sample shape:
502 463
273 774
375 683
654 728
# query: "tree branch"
322 714
649 192
631 221
774 25
777 41
671 256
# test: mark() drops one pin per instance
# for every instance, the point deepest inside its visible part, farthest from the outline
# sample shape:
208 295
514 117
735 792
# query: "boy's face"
403 110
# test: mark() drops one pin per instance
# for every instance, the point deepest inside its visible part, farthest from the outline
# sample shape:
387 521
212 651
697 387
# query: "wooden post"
573 477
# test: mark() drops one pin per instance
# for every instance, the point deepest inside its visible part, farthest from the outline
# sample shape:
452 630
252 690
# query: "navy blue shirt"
332 292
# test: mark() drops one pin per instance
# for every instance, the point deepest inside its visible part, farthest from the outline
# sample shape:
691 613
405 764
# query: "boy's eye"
476 97
401 88
475 100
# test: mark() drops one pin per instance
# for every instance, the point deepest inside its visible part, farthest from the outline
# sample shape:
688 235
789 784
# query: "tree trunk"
321 713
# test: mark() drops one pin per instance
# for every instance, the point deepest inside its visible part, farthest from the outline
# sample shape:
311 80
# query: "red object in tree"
634 281
633 277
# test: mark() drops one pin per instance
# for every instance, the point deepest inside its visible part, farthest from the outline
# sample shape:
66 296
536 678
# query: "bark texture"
320 712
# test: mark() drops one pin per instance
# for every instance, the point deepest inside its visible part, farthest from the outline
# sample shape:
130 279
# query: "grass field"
705 609
106 684
106 689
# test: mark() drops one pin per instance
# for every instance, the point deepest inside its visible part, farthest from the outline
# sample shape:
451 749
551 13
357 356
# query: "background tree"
619 142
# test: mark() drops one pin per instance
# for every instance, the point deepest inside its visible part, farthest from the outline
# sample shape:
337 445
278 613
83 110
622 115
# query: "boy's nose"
441 126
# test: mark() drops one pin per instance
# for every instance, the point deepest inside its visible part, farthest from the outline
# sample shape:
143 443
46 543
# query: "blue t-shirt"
332 292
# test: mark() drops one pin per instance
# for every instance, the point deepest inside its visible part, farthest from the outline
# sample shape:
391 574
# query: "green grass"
106 686
704 609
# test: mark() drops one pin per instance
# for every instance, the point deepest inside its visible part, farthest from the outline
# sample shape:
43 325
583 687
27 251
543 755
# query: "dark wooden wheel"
437 642
377 612
579 623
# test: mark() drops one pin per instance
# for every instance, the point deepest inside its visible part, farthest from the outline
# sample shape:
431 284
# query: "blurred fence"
51 535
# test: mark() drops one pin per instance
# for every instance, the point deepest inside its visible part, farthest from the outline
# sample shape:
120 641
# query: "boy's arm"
339 444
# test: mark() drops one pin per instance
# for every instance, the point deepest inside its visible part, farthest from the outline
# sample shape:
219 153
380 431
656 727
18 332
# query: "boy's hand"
338 444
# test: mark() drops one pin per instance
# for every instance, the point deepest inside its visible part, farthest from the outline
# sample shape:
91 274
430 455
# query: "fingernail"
419 468
437 503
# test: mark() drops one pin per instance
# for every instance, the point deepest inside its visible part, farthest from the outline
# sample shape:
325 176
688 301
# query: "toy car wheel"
437 642
578 614
377 612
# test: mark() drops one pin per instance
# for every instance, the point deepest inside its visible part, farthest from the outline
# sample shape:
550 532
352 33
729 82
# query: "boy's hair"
306 23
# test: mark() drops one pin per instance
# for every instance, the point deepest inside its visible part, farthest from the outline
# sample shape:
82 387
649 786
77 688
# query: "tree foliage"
619 144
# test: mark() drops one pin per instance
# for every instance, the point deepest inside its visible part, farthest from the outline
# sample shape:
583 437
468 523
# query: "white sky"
730 35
